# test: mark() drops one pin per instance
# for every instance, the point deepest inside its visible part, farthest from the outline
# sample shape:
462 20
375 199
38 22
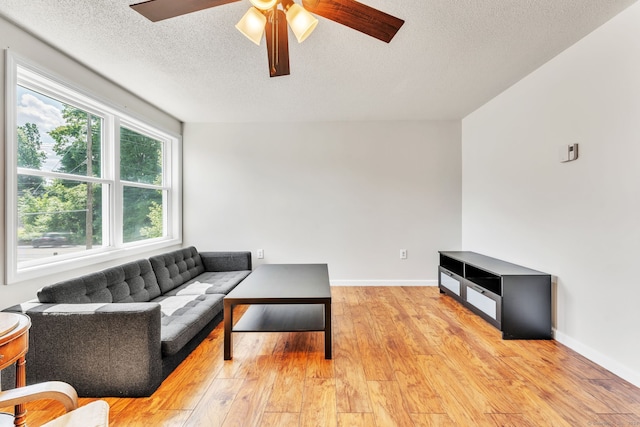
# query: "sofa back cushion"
130 282
175 268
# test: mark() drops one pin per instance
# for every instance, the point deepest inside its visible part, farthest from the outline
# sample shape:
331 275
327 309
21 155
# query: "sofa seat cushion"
220 282
183 316
131 282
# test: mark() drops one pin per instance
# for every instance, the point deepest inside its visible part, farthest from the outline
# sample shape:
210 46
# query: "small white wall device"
568 153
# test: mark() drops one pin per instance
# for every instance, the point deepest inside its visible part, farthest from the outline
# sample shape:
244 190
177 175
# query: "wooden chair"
94 414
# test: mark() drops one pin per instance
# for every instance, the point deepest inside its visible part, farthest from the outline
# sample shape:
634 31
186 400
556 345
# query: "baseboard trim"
384 283
599 358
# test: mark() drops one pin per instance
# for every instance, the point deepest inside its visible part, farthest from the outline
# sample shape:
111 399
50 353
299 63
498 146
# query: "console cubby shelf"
514 299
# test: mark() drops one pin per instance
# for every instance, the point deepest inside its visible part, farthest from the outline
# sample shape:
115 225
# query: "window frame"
20 71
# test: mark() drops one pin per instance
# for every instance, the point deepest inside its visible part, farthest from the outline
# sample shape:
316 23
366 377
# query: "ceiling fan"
271 17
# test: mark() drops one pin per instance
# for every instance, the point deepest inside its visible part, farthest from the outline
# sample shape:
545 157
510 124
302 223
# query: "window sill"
93 261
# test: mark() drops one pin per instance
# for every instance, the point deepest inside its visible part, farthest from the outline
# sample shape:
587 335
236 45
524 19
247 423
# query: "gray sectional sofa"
121 331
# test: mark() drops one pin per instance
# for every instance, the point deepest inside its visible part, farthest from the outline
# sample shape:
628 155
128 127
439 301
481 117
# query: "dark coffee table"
283 298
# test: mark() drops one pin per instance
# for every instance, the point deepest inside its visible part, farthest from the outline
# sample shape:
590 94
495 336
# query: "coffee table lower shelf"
281 318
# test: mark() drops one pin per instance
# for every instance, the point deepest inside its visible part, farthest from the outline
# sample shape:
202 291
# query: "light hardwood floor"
403 356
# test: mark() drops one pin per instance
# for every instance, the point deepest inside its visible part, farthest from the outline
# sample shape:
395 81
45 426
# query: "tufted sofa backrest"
175 268
131 282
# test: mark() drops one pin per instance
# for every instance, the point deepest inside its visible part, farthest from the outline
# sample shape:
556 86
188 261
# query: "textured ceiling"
449 58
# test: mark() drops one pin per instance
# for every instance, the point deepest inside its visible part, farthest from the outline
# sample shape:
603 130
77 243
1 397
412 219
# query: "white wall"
579 221
347 194
32 49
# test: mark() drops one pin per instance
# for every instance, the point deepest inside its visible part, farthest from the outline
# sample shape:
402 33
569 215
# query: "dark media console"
514 299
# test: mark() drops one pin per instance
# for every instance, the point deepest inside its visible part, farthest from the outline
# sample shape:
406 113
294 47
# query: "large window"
85 181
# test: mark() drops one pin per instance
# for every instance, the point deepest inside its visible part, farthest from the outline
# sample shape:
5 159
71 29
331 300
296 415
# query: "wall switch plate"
403 254
260 253
568 153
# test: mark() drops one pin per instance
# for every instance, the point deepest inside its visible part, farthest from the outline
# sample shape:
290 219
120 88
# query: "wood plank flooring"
402 356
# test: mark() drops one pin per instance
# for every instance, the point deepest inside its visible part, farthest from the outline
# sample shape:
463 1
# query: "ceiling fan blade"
157 10
277 43
358 16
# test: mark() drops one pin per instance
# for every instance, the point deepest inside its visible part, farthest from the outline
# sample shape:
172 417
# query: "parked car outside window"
50 239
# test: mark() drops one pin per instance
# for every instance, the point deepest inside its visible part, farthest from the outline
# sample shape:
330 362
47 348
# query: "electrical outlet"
568 153
403 254
260 254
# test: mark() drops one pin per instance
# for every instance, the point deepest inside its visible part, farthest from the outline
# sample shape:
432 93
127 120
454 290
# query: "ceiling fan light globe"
252 25
264 4
302 23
